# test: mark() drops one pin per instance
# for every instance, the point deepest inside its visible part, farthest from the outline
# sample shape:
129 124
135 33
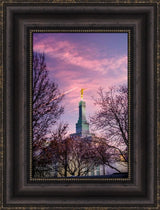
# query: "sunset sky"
83 60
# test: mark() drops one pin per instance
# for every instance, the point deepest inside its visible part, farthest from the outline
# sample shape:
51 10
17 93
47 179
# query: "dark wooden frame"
141 189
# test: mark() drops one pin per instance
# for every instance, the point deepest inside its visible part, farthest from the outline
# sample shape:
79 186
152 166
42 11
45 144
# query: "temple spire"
82 126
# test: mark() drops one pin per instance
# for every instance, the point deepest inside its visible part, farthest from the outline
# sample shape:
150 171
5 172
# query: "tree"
104 154
81 157
74 157
46 99
46 110
112 118
60 150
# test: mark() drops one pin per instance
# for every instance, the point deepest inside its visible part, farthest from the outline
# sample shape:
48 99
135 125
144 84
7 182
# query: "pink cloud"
69 53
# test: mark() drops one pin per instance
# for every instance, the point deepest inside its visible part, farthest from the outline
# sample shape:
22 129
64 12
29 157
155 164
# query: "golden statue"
82 92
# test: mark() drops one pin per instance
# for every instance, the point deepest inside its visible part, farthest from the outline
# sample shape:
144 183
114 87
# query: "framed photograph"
80 132
80 122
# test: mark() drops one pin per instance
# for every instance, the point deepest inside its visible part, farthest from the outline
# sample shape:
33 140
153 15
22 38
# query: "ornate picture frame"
140 190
